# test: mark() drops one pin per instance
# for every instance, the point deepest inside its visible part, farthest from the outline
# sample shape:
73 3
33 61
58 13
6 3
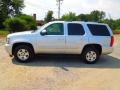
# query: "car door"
54 40
75 38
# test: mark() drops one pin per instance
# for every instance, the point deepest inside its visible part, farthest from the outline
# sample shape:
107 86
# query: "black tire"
85 55
23 47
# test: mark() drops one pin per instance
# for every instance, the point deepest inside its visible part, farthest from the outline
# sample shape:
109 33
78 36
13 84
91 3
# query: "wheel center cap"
23 54
91 56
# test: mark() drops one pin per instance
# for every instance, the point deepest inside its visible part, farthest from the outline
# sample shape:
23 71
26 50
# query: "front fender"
24 40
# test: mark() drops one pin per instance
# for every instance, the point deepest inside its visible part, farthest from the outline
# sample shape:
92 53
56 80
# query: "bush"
20 23
31 23
15 24
116 31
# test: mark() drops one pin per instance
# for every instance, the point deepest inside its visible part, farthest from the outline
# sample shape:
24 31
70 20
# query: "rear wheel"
90 55
23 53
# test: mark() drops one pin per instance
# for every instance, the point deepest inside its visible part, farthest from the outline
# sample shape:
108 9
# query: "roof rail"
78 21
91 22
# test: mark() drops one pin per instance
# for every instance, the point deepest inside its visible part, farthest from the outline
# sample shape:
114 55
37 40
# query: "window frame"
55 34
77 24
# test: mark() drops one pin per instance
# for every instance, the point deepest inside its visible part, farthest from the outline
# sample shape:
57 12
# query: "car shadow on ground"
64 61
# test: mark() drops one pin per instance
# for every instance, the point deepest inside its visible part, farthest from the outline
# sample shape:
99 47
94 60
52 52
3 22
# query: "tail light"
112 41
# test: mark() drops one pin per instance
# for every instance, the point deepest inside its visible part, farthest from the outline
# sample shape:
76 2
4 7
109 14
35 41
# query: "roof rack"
78 21
92 22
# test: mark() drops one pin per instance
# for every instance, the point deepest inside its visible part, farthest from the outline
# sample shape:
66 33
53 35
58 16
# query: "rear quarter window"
98 30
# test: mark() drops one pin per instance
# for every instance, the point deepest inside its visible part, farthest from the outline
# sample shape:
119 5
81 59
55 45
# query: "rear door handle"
60 39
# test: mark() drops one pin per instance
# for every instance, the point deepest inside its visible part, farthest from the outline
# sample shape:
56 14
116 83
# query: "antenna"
59 2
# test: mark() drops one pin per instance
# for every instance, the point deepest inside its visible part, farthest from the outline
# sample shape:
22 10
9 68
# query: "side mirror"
43 32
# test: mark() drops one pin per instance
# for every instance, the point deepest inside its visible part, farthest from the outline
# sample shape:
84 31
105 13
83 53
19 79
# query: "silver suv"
88 39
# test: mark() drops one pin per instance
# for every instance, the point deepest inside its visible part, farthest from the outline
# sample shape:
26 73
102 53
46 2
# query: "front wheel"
90 55
23 53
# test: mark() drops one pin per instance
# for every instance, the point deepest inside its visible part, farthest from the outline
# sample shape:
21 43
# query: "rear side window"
75 29
98 30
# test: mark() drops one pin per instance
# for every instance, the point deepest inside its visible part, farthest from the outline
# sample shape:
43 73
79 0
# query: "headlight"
8 40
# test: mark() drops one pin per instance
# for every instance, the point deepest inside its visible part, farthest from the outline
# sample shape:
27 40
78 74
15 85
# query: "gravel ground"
60 72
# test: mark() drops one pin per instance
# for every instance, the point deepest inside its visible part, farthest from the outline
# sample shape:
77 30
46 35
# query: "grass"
3 32
116 31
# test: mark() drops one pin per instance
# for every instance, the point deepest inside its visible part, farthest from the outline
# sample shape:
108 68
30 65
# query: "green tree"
69 17
84 17
49 17
3 13
12 7
117 24
97 16
110 22
9 8
17 6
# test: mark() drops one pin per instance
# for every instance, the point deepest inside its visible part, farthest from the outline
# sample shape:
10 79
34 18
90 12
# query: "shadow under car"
62 61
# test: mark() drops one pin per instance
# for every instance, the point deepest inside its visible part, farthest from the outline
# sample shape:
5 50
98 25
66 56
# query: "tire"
23 53
90 55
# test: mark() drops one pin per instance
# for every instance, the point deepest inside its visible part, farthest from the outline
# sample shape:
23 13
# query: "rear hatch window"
98 30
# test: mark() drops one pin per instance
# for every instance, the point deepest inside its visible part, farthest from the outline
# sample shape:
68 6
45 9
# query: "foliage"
83 17
12 7
97 16
114 24
4 32
2 18
3 13
116 31
31 23
9 8
117 24
49 17
15 24
20 23
110 22
69 17
17 6
94 16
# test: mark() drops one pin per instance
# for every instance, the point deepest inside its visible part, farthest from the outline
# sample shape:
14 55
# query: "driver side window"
55 29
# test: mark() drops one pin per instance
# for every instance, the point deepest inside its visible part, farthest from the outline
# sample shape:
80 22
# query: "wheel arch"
22 43
96 46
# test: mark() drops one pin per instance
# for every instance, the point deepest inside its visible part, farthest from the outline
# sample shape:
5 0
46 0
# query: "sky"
41 7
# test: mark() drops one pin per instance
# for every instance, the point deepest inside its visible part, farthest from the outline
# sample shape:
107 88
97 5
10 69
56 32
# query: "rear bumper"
8 48
107 50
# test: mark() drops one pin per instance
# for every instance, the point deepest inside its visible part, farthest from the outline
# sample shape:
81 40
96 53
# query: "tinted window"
55 29
75 29
99 30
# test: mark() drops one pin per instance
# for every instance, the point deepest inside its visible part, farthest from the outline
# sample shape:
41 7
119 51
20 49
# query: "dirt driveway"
60 72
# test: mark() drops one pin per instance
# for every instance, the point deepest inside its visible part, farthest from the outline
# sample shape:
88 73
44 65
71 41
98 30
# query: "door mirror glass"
43 32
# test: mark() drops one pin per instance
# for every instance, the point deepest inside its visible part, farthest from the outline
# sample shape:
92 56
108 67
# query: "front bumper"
8 48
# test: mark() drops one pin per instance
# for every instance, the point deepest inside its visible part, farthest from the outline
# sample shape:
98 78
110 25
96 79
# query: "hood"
20 33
